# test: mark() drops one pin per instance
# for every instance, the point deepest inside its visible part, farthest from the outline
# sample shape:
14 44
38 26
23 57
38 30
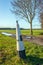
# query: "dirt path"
37 40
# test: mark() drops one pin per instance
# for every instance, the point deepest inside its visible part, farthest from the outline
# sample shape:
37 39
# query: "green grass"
24 32
35 32
8 52
9 31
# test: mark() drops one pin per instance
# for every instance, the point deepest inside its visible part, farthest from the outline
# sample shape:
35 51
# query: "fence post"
20 45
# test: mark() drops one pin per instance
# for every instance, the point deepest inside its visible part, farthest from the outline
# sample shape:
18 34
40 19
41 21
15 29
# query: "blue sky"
7 19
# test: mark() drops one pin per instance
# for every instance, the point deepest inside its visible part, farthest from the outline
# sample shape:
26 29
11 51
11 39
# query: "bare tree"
26 9
41 14
41 19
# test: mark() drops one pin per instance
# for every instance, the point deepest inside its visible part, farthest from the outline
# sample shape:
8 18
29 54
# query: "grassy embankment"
8 53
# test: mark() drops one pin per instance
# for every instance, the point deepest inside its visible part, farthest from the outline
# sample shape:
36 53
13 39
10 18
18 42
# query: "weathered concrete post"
20 45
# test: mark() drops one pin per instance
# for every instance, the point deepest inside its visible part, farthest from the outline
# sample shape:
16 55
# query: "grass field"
24 32
8 53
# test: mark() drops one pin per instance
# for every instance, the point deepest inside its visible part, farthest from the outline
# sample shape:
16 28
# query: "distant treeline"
9 28
15 29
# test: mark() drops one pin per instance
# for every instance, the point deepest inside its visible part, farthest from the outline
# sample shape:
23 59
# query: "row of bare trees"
26 9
